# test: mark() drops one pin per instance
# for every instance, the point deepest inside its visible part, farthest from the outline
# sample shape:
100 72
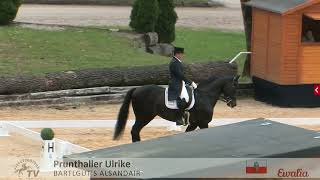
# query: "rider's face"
180 55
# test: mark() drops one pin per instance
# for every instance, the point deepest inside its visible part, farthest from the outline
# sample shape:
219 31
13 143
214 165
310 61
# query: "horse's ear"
236 78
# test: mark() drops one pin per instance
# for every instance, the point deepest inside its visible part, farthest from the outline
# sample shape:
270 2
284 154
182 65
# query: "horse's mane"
207 81
204 83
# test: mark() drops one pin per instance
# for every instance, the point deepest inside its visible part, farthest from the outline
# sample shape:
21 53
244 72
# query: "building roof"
213 143
315 16
259 138
280 6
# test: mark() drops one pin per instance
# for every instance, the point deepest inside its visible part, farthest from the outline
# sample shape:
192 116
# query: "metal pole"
237 56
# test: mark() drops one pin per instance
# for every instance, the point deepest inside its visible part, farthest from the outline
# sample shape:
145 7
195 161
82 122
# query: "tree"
165 26
155 16
147 16
8 10
134 14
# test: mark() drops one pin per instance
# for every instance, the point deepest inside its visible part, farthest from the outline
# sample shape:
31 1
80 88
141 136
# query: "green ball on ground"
47 134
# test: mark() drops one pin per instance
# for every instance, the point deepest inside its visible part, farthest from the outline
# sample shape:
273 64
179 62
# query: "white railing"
237 56
12 127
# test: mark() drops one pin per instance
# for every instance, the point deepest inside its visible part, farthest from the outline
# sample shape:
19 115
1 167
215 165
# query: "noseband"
227 100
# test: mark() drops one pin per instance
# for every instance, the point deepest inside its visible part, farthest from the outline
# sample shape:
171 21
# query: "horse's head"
230 91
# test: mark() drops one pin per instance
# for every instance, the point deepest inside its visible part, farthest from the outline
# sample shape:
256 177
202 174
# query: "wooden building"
285 45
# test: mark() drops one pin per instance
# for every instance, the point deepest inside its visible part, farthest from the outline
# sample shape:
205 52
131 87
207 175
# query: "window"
311 28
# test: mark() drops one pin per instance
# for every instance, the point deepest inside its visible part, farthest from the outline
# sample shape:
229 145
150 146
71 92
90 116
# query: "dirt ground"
246 108
13 149
229 18
98 138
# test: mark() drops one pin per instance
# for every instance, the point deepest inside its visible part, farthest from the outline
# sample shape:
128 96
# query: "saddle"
187 93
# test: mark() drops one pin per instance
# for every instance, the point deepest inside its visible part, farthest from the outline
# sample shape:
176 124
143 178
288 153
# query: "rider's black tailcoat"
176 78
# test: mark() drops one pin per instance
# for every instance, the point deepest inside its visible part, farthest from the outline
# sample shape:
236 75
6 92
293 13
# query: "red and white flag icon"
317 90
256 167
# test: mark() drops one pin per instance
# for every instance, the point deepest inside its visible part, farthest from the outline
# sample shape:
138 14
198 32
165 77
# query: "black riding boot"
182 118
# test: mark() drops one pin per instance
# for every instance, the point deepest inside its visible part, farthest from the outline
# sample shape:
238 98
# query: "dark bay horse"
148 102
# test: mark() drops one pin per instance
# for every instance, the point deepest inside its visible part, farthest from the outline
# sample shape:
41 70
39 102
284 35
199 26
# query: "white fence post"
48 156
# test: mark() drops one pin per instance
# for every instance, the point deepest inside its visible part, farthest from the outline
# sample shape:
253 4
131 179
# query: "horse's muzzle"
232 103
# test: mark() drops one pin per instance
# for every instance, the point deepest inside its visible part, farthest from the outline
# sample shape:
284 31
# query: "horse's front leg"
191 127
204 126
206 119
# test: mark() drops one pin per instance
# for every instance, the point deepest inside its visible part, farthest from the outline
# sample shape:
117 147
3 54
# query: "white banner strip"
194 167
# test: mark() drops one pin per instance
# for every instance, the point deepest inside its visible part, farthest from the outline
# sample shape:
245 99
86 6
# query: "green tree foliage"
155 16
146 16
165 26
134 14
8 10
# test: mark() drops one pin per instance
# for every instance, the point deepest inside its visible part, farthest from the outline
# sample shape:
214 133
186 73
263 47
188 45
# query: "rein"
221 98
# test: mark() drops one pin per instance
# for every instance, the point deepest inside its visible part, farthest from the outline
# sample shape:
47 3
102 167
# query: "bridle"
222 98
225 99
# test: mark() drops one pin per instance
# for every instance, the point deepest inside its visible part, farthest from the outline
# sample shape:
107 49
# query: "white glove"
194 85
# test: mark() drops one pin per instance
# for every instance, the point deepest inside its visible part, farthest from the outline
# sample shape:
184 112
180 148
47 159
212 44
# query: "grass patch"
197 3
207 44
30 51
187 3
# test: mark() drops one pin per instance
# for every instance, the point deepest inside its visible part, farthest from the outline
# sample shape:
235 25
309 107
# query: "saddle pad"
173 104
184 92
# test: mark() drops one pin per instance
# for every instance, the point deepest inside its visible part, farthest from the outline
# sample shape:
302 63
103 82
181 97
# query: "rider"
176 81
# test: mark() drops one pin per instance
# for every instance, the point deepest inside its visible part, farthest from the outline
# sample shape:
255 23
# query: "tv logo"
317 90
256 167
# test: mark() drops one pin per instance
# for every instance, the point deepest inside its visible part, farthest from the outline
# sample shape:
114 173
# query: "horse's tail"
123 116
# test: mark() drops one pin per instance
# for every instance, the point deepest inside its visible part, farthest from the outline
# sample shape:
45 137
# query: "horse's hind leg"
137 127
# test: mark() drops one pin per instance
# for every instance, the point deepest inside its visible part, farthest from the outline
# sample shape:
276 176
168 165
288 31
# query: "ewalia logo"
27 168
298 173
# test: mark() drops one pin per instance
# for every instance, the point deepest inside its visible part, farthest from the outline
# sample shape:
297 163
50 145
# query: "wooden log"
133 76
57 94
151 39
70 93
101 99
